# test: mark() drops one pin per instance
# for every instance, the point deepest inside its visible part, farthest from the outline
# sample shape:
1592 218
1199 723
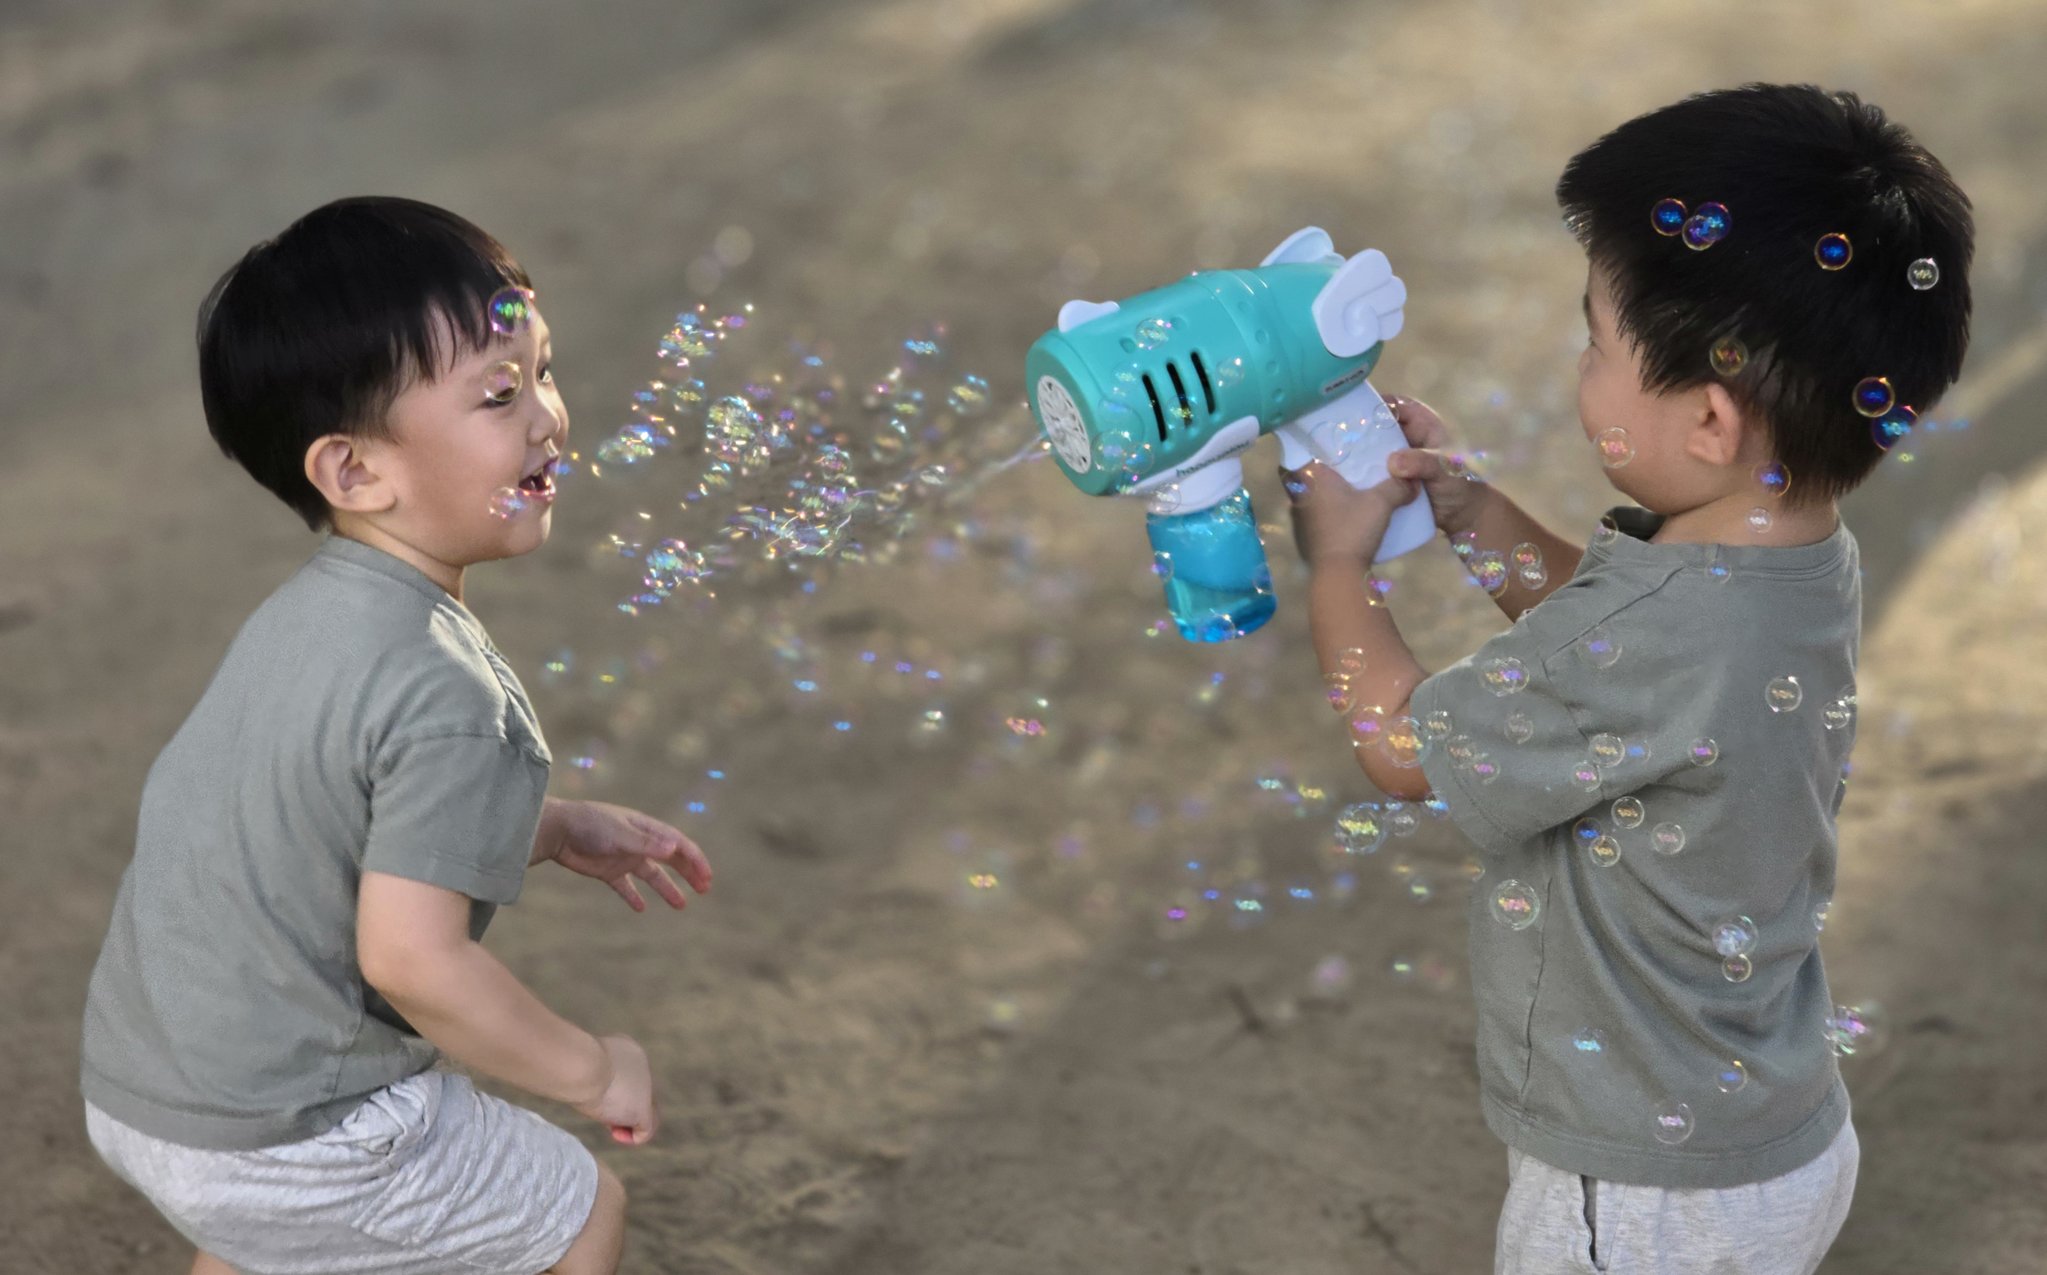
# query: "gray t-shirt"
1652 759
361 720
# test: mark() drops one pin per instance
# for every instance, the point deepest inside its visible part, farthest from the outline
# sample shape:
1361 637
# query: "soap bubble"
1673 1123
1504 675
1732 1077
1402 820
1589 1040
1519 728
1404 744
1820 915
1330 978
1857 1029
1893 425
1706 227
1759 520
1728 356
1629 812
1526 554
1605 850
1359 829
1598 647
1607 749
1228 373
1668 216
1736 969
1833 251
1735 936
1773 477
1606 532
1718 571
1586 831
1703 752
1533 576
1783 694
1839 714
1615 447
969 397
509 309
507 503
1922 274
1873 396
1515 905
501 382
1666 838
1585 775
1153 333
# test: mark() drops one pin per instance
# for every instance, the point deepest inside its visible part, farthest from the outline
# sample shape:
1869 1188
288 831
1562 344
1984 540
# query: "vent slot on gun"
1201 374
1158 411
1186 415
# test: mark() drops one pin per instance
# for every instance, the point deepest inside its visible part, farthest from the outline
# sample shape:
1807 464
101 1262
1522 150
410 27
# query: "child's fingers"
1419 422
664 885
625 889
1416 463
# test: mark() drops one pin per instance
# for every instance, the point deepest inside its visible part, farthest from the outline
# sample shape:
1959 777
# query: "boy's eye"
501 383
547 374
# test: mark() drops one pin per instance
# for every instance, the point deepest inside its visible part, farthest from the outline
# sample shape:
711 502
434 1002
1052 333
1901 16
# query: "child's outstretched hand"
1431 460
614 845
1335 524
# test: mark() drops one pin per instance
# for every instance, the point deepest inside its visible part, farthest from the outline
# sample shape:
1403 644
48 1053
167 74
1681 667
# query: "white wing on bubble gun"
1158 396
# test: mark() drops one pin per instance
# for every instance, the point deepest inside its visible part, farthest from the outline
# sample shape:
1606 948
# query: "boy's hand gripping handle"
1353 434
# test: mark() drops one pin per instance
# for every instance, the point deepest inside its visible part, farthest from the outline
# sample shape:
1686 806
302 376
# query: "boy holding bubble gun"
323 842
1653 755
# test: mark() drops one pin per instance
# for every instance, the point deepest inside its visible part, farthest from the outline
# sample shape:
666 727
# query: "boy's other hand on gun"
1335 524
1431 460
627 1103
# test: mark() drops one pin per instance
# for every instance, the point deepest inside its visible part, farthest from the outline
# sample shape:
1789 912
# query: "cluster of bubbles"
1698 229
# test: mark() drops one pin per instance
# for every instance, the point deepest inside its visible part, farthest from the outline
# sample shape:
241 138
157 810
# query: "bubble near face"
502 381
1673 1123
1759 520
509 309
1728 357
1515 905
1783 694
1923 274
1615 447
507 503
1773 478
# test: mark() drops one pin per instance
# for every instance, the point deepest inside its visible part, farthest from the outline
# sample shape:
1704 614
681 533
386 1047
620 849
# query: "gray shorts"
1559 1223
426 1177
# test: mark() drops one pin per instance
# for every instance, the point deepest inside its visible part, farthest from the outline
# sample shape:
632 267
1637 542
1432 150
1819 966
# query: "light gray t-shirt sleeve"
1547 724
458 811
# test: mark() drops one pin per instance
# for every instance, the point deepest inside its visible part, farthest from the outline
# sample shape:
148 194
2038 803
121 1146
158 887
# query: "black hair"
315 332
1791 164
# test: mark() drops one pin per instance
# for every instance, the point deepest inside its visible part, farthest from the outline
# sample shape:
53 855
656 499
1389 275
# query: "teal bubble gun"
1158 396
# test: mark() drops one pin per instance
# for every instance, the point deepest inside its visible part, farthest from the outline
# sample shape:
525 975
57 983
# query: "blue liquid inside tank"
1217 584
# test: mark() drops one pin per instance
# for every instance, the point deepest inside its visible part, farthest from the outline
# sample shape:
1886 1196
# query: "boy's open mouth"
540 483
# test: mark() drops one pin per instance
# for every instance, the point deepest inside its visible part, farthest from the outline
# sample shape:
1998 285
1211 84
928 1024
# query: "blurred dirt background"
866 1069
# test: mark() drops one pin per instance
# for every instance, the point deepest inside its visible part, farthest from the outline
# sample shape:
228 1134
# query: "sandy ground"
862 1074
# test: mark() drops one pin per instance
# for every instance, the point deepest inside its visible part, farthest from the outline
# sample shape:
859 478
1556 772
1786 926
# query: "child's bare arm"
1463 506
413 945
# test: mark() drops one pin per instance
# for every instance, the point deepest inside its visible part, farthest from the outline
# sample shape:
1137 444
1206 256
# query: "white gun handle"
1364 465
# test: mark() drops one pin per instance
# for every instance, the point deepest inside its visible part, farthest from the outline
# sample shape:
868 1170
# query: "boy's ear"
341 469
1722 428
